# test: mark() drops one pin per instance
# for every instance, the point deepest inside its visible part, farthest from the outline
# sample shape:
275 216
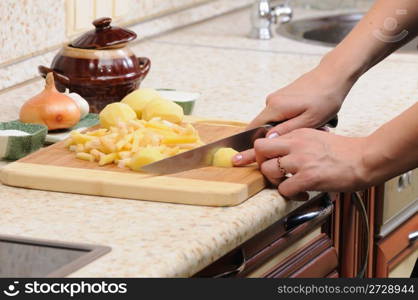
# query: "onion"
51 108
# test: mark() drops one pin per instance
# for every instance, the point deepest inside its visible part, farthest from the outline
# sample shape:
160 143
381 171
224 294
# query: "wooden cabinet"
81 13
317 259
352 239
295 246
391 251
326 237
398 247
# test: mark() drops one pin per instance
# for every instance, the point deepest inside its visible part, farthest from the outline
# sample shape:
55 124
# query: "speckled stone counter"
234 75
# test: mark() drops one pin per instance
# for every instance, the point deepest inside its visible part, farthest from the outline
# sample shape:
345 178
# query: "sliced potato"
223 157
138 99
114 113
107 159
79 138
84 156
145 156
179 140
134 143
164 109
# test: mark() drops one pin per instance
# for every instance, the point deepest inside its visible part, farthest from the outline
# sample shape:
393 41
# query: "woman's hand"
317 160
309 102
316 97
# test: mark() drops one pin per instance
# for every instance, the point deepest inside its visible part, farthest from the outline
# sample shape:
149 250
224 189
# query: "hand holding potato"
317 160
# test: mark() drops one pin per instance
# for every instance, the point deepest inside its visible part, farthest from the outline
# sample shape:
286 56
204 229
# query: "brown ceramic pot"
99 65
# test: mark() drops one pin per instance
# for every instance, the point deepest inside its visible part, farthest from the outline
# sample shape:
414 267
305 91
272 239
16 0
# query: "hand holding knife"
202 156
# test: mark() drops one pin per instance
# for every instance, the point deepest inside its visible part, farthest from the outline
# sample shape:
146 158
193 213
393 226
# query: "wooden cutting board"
55 168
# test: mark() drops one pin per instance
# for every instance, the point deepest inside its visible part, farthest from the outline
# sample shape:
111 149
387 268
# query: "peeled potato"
145 156
164 109
138 99
223 157
114 113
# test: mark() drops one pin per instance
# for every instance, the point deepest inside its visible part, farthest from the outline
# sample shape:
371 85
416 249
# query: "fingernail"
237 158
272 135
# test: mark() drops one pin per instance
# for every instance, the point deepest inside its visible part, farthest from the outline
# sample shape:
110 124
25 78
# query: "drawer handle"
404 181
413 237
295 221
235 269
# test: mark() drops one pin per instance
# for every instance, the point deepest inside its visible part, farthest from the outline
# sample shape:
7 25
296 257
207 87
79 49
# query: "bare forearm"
393 148
386 27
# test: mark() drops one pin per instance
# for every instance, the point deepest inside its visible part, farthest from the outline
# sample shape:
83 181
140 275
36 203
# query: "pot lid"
104 36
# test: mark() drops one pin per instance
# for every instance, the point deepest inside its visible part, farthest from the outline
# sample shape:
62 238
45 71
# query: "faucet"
263 15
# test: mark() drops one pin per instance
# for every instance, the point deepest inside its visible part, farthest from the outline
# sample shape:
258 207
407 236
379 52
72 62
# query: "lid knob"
104 36
102 23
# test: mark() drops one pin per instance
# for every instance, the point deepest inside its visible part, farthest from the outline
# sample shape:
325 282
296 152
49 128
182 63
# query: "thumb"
267 115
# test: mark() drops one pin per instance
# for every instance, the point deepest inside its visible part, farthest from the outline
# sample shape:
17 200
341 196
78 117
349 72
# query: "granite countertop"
234 75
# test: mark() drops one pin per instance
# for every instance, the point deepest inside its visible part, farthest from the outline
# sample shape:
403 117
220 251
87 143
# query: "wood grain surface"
55 168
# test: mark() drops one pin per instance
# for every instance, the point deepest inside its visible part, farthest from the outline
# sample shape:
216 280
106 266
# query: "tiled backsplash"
332 4
32 26
81 12
32 31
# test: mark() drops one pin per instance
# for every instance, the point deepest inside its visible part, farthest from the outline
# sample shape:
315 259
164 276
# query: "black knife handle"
331 123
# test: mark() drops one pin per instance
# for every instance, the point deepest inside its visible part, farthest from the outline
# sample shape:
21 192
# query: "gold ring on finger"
282 170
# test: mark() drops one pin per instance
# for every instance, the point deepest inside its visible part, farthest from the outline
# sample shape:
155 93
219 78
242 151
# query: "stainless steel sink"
22 257
329 30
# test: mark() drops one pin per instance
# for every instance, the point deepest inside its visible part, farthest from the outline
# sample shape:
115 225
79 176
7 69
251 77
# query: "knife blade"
202 156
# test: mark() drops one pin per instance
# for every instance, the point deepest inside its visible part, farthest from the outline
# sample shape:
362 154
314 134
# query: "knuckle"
310 119
283 129
258 145
270 100
264 168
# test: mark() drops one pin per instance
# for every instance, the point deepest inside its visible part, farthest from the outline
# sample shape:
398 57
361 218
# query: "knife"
202 156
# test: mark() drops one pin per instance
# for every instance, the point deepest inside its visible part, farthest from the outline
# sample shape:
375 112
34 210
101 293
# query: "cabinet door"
354 244
396 248
317 260
267 246
277 260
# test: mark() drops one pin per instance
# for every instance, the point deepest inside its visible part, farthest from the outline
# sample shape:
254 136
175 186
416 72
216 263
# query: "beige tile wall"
32 31
29 27
332 4
127 12
147 8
